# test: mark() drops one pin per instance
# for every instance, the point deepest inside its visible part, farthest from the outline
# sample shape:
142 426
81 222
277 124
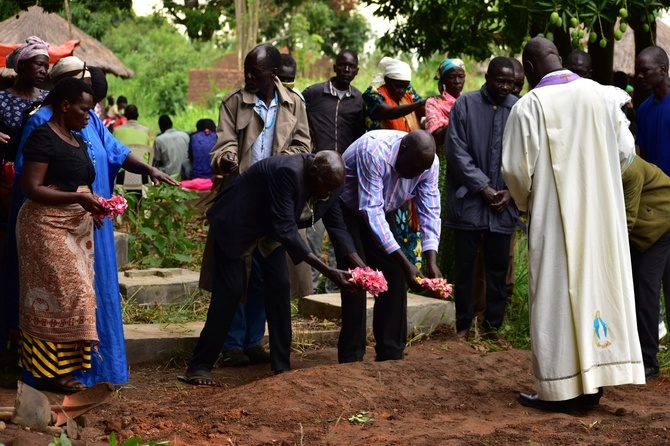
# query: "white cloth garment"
393 69
564 149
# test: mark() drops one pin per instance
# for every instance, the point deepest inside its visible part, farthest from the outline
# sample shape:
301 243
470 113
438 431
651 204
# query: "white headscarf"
393 69
69 65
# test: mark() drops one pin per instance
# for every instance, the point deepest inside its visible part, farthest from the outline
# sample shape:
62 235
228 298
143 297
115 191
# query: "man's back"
133 133
170 150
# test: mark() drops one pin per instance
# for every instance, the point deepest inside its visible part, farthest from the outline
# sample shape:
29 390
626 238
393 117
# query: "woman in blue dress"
108 156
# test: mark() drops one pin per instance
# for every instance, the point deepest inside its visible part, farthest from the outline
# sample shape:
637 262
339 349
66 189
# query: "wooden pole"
69 18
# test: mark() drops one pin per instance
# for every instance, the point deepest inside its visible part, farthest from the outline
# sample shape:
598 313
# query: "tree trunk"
602 59
246 17
563 43
240 16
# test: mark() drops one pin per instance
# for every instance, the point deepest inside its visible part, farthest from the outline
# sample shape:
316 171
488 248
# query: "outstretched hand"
341 279
157 177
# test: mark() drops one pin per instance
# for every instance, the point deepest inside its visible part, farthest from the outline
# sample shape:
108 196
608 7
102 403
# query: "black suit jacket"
268 199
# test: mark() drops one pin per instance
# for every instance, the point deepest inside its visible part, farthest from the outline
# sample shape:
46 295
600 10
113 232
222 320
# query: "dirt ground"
445 392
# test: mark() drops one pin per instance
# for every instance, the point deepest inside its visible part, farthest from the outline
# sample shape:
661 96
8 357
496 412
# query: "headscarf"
34 46
98 83
67 65
446 65
393 69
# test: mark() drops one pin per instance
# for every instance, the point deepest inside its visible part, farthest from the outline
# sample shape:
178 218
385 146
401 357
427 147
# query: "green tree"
200 20
307 28
480 29
331 26
161 58
95 17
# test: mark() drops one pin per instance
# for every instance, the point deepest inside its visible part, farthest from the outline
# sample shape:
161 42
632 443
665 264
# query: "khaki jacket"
239 126
647 193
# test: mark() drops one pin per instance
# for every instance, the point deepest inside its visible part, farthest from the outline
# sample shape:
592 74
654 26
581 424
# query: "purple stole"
558 79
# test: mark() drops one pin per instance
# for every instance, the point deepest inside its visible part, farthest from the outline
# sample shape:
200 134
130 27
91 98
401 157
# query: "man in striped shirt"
385 169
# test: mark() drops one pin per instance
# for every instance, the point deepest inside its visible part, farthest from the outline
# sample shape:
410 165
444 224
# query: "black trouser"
666 291
389 324
648 268
229 285
496 259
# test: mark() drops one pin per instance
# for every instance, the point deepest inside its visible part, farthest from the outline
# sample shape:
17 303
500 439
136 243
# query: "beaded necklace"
89 145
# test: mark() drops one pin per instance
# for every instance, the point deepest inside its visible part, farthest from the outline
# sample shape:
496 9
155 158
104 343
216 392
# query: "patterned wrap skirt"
57 298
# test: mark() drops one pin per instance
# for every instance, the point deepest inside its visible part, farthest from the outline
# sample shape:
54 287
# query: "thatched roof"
54 29
624 50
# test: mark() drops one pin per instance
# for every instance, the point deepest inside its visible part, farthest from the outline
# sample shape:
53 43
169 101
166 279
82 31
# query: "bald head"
540 57
326 174
654 54
651 71
329 162
579 62
416 154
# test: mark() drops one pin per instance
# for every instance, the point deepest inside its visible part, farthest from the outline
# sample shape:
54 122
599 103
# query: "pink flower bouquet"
438 286
369 279
116 205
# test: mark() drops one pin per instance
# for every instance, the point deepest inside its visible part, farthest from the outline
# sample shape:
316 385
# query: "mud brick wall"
203 83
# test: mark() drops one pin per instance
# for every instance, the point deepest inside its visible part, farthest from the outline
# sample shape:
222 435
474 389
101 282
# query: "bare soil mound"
445 392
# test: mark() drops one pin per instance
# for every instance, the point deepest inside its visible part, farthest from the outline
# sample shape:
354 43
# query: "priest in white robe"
565 146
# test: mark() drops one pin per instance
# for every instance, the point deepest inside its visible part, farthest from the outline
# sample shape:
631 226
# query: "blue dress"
109 364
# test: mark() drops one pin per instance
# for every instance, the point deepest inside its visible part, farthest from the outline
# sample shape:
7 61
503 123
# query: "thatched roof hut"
54 29
624 50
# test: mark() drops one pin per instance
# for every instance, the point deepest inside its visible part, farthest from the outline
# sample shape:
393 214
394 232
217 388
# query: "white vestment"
564 149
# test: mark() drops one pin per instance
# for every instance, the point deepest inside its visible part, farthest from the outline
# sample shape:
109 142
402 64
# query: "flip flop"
69 386
198 378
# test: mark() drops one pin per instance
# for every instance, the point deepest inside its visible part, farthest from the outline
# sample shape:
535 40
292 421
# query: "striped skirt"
44 359
57 299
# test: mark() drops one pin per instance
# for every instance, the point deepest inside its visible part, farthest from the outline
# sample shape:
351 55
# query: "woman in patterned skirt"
55 242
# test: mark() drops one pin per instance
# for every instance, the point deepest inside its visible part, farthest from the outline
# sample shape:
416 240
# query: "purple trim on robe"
557 79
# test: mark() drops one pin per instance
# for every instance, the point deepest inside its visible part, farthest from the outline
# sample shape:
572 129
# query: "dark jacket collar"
509 101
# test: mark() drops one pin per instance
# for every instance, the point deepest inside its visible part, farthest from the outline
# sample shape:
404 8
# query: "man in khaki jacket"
647 193
240 126
260 120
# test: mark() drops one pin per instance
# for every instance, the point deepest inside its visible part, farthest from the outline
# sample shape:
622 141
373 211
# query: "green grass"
192 308
516 327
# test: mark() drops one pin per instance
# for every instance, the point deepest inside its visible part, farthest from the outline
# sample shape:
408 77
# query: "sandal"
198 378
64 384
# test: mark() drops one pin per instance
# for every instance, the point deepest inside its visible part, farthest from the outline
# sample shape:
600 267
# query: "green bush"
160 225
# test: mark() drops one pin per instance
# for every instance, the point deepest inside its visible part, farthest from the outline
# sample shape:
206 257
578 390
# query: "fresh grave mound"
445 392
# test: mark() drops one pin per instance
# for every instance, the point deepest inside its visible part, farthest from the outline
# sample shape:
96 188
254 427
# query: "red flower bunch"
438 286
114 206
369 279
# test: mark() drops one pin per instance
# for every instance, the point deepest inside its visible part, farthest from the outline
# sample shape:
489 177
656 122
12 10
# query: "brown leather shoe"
463 335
